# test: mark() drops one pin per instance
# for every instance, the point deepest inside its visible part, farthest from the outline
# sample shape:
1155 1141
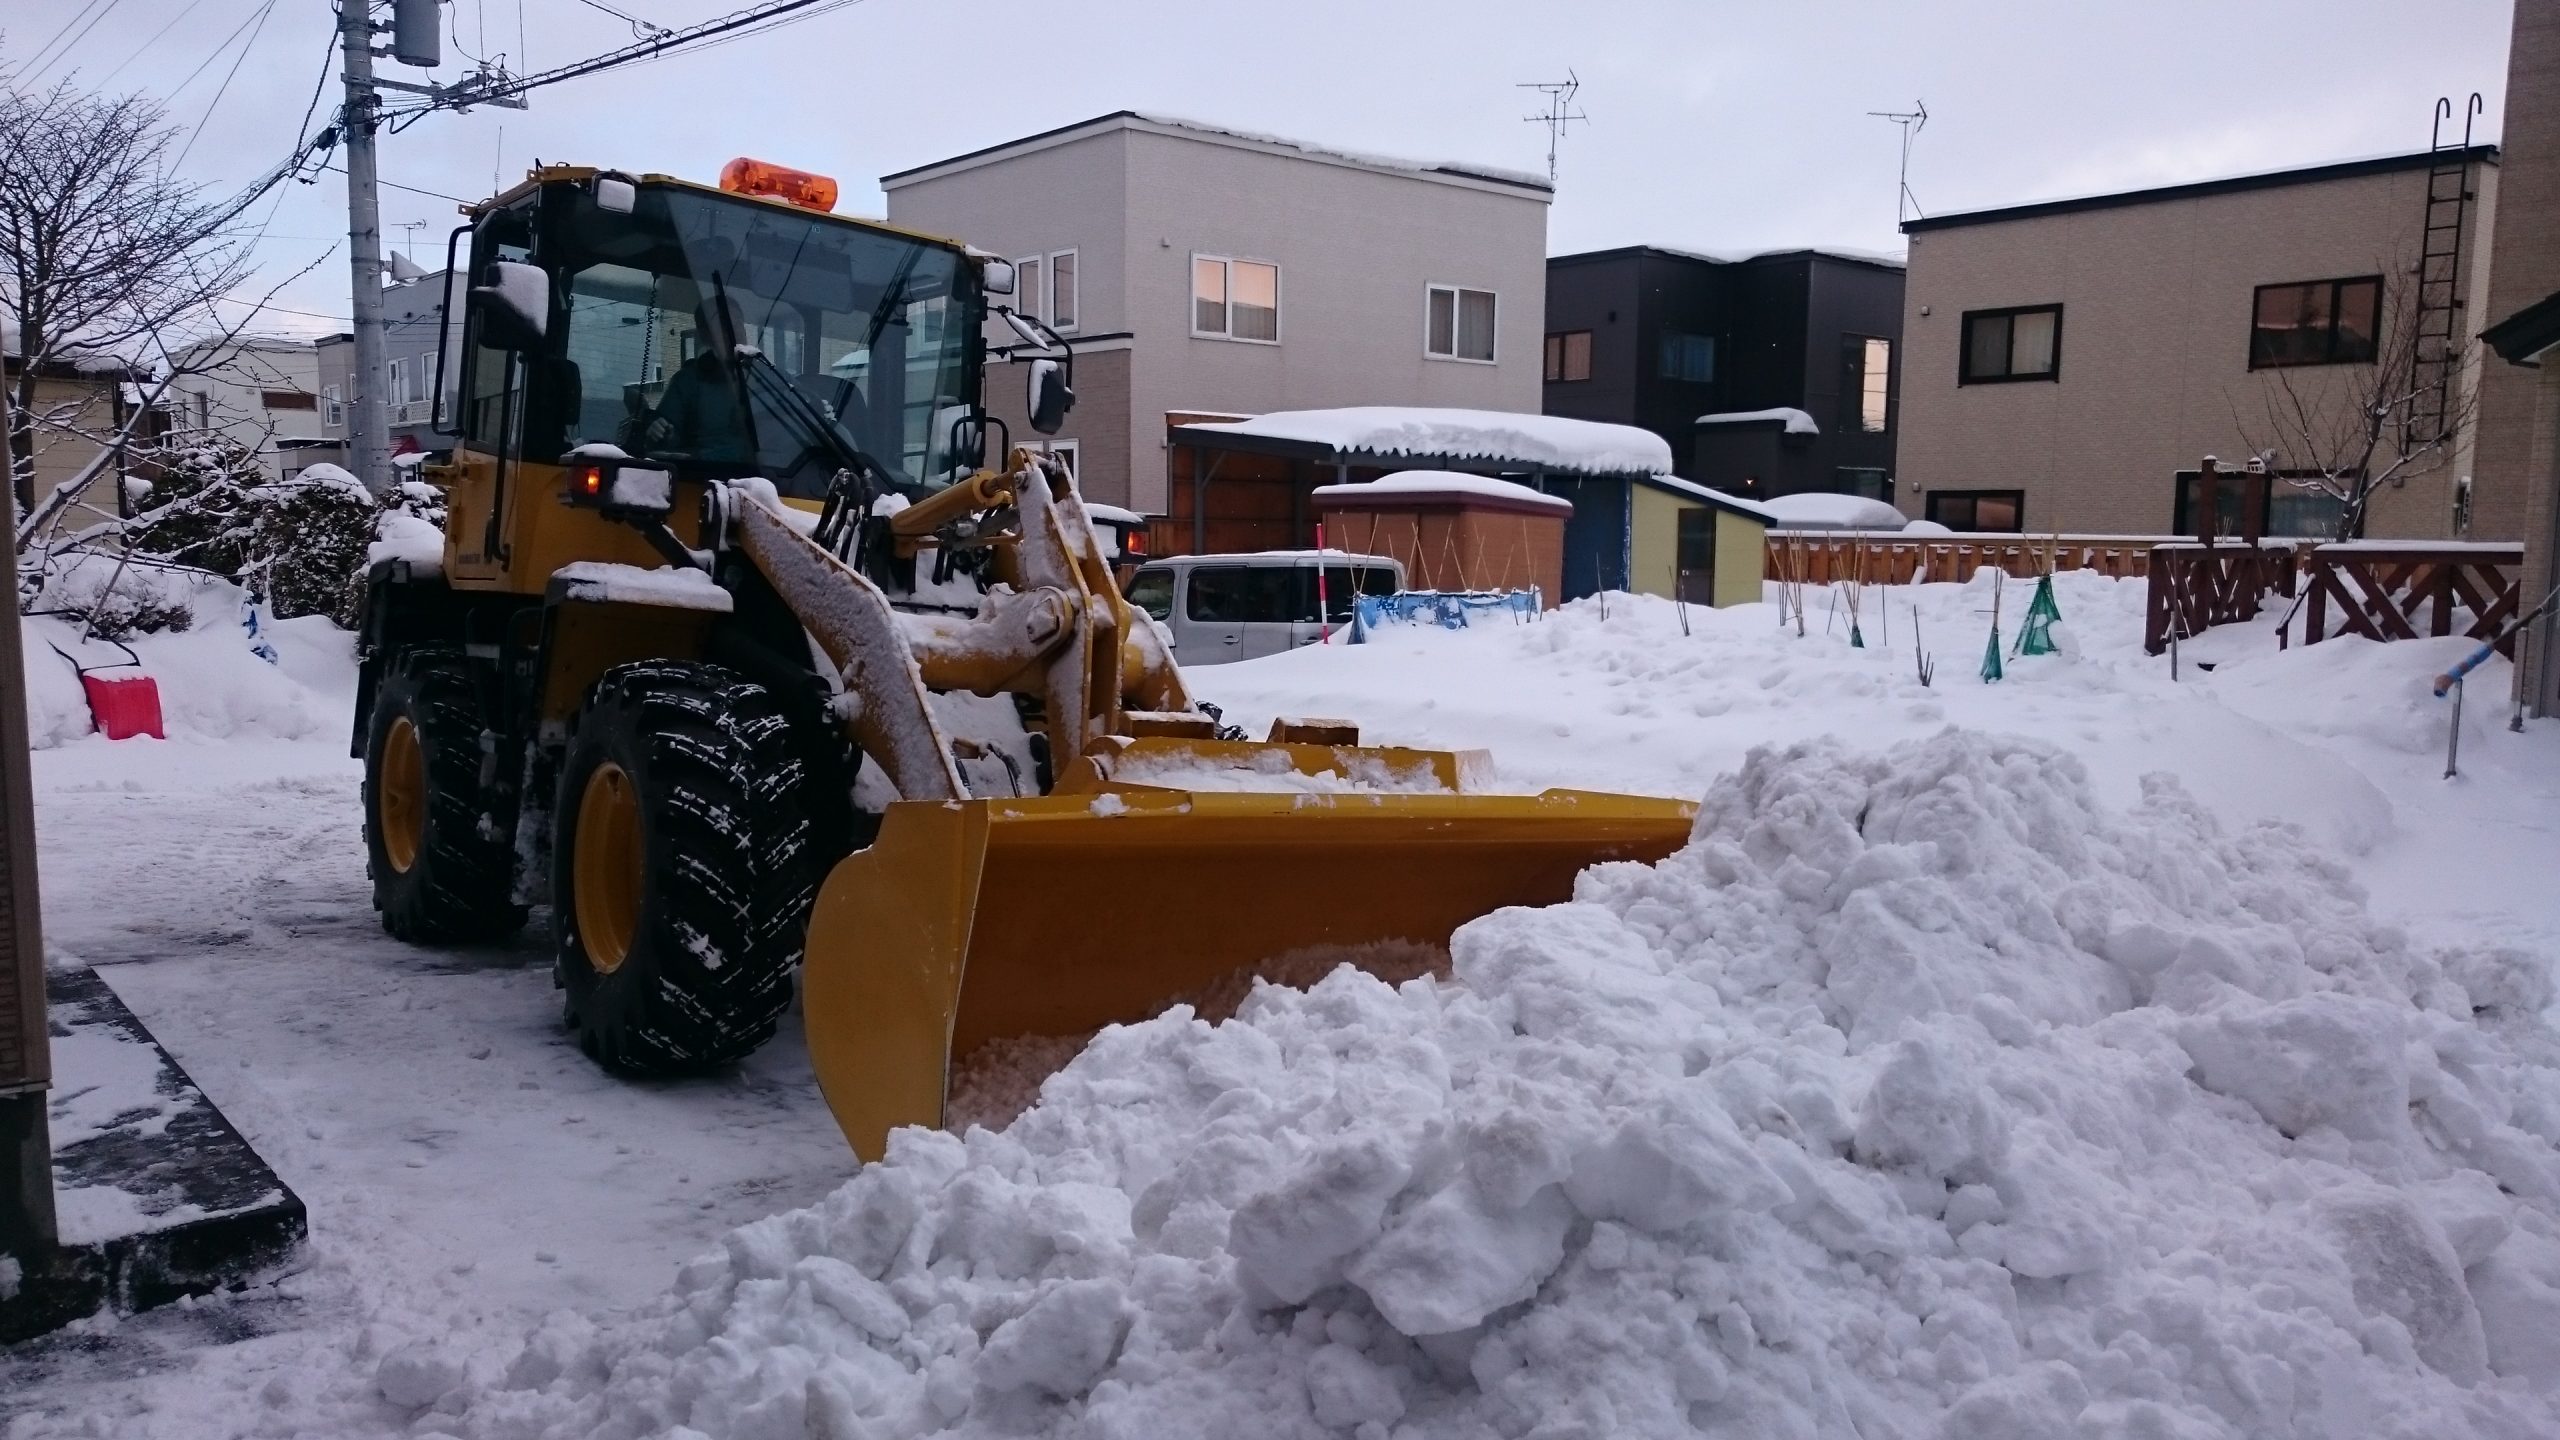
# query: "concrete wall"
2154 370
1357 247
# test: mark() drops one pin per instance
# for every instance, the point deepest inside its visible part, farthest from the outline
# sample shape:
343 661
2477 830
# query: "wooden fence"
2389 590
1823 557
2193 586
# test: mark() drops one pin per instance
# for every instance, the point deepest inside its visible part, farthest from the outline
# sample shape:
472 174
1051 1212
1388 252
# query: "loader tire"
440 853
682 869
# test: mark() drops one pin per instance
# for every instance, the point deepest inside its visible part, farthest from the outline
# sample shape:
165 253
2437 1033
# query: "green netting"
1991 669
2035 637
1857 640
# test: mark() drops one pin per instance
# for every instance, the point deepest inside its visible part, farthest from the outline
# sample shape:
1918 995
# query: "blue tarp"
1448 609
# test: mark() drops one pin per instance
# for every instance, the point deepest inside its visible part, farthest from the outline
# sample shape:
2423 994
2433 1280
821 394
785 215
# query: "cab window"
1242 594
1152 591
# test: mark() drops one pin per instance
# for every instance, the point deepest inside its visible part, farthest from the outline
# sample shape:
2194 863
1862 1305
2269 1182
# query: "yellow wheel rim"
605 872
401 796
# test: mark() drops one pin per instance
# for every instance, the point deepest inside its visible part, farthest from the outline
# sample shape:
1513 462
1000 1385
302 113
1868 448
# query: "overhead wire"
41 63
183 12
257 16
47 48
225 88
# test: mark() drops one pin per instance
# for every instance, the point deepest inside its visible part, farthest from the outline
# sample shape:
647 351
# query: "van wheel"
437 847
682 869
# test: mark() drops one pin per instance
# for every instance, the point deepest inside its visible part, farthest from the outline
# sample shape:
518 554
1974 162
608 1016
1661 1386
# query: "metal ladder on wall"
2436 351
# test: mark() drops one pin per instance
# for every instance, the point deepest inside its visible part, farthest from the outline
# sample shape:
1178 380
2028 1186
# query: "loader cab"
716 335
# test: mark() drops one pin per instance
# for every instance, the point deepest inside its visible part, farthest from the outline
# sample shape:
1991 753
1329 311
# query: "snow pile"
1817 511
1495 437
211 686
398 535
1916 1097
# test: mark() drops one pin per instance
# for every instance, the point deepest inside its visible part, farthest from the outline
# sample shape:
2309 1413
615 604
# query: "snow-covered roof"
1226 134
1891 259
1796 421
1113 514
1718 498
1445 485
1814 511
1495 438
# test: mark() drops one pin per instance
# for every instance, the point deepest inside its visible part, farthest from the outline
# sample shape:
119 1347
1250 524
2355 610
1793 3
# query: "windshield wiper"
814 425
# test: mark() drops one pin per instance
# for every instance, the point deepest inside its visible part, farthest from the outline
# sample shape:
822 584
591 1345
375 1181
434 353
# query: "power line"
65 52
639 27
39 62
755 20
225 88
182 14
257 16
412 189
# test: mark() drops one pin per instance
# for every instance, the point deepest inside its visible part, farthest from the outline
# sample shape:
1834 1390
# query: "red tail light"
590 482
1133 542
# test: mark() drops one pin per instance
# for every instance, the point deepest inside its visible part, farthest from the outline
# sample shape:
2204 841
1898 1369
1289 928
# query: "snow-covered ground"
1988 1084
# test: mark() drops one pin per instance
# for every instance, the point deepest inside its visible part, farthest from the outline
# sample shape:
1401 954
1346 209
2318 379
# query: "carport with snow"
1249 484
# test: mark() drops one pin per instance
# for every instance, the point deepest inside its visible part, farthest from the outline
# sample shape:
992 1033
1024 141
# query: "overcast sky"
1712 126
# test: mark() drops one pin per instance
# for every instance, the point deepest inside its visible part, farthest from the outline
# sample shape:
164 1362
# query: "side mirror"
1049 398
513 305
996 276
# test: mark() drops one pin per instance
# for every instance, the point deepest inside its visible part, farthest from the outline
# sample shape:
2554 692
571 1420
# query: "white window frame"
1191 299
398 380
1072 450
1033 300
336 414
1457 309
1075 291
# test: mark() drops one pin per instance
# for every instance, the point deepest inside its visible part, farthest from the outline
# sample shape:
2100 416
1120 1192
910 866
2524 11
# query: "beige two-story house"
1205 271
2064 361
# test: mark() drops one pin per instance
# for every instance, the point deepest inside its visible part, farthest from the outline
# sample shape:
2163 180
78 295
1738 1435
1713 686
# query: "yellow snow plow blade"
1056 915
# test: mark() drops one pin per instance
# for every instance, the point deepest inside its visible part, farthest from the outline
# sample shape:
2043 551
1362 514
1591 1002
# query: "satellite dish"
403 270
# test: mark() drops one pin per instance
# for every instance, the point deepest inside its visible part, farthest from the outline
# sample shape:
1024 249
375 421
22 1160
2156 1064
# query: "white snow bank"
398 535
1527 442
211 687
1815 511
1796 421
1917 1096
1446 483
324 473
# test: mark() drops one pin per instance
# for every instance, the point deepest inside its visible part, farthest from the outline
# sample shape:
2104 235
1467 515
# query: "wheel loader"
757 647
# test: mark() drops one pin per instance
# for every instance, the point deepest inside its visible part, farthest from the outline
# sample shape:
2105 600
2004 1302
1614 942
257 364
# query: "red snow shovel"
124 705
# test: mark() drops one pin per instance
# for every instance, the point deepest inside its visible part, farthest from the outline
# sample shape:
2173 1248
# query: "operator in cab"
700 415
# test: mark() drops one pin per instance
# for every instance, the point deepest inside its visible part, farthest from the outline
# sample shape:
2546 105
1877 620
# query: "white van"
1238 607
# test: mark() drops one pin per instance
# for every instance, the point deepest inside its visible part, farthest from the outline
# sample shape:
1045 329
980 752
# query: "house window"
2023 343
1045 287
1569 355
1064 450
336 406
2318 322
1235 299
288 400
1697 539
1997 511
2292 511
1686 357
1030 282
1867 366
1461 324
1062 290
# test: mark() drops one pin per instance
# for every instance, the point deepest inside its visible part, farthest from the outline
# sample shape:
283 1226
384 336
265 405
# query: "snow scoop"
121 706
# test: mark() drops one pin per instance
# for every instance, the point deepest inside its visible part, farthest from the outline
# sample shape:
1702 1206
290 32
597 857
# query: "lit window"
1569 355
1235 299
1865 390
1461 324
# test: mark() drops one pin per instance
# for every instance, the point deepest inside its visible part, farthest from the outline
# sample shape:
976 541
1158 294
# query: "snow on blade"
1919 1095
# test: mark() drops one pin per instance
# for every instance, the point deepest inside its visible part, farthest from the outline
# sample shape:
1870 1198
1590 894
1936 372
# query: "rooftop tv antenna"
1913 121
1558 114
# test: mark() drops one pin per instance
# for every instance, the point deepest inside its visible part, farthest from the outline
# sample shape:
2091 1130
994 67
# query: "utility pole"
368 422
26 1155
